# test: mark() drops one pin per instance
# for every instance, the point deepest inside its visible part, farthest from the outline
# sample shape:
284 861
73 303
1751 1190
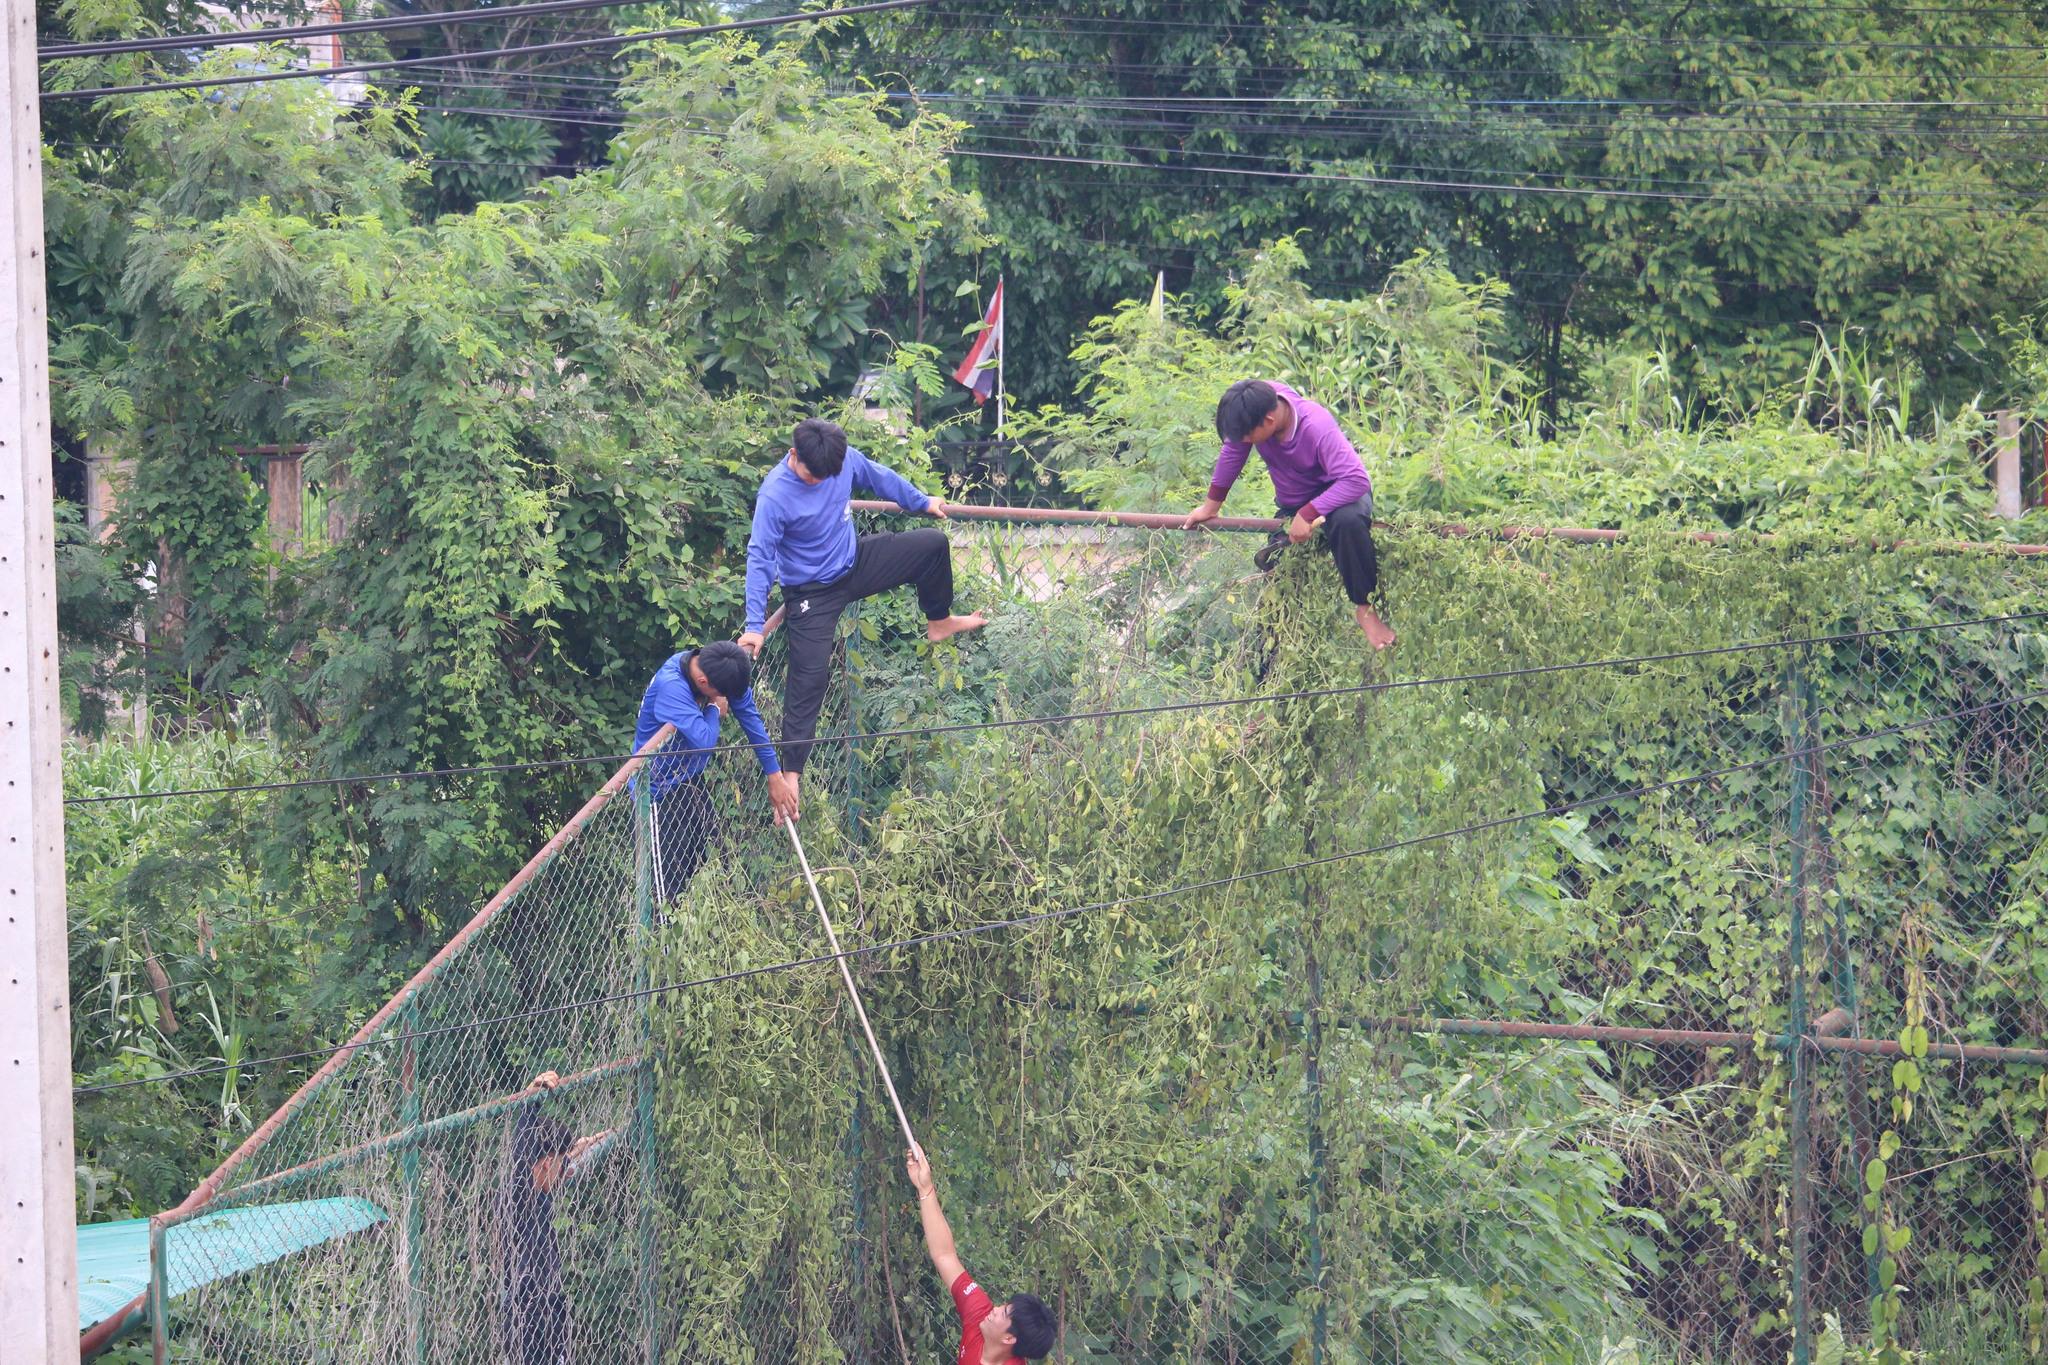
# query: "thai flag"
978 371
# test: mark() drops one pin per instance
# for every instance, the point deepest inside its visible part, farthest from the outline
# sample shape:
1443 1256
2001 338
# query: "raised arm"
762 545
887 482
938 1233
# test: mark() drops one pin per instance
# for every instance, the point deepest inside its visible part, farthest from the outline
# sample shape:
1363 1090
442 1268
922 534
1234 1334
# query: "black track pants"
1348 533
883 561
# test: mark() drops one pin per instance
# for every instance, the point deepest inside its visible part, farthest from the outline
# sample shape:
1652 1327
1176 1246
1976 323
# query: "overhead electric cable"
439 59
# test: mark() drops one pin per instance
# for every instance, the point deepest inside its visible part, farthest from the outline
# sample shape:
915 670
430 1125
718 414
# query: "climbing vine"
1139 1077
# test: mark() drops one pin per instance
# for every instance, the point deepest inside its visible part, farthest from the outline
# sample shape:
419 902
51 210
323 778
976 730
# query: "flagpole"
1002 325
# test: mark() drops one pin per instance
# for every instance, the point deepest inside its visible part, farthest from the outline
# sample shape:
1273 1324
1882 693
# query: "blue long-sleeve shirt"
670 700
803 533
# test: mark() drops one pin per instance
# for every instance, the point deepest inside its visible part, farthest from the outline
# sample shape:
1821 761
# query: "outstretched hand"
919 1167
782 796
752 642
937 509
1206 512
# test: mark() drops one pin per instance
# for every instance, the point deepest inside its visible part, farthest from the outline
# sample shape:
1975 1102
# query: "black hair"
536 1136
1245 404
726 667
1034 1326
821 445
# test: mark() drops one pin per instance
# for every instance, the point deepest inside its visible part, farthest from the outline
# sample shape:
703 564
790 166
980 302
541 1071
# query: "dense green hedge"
1121 1104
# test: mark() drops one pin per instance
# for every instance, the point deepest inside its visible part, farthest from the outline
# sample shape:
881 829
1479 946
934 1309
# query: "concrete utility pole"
38 1225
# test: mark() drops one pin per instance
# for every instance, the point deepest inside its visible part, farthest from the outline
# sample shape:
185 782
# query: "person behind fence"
535 1310
1317 475
803 538
1019 1328
694 691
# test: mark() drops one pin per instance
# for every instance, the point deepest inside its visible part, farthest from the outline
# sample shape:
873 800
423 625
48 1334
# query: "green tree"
1767 168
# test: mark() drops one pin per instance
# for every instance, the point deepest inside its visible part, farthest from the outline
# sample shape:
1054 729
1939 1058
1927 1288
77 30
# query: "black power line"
2001 203
187 41
573 45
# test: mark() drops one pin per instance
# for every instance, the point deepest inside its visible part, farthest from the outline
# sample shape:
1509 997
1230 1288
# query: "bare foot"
936 631
1378 633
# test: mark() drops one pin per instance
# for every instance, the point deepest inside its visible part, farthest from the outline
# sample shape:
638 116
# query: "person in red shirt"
1020 1328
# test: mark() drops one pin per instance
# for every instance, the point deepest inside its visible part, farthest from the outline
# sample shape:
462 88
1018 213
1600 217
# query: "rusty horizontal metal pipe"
1701 1038
429 1131
1067 516
1171 521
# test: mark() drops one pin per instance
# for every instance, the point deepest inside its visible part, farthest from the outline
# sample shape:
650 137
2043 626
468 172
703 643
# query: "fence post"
856 1134
159 1299
1318 1147
2005 467
409 1171
1801 1096
1841 966
284 484
853 759
643 1100
1318 1164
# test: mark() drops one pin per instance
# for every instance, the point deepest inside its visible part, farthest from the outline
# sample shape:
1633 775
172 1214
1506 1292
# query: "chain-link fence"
1502 998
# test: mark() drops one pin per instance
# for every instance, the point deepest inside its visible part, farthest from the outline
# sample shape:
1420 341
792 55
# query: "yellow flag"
1159 297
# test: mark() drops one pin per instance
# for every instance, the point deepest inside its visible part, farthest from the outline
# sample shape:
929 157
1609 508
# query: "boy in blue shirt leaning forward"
694 691
803 538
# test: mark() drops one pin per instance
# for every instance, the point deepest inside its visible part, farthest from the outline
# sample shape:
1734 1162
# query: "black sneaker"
1268 556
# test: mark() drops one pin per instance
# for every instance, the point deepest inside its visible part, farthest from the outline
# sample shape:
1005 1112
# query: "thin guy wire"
1114 713
1069 912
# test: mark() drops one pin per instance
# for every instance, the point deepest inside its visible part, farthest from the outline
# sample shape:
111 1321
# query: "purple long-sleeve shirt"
1313 465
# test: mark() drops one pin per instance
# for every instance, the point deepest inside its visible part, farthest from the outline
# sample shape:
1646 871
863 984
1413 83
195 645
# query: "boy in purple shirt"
1317 478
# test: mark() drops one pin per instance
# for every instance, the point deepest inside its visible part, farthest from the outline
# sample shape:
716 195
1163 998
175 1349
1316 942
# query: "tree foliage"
534 428
1764 168
1418 375
1122 1099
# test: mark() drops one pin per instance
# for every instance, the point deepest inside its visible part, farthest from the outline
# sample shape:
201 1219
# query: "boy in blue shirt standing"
694 691
803 538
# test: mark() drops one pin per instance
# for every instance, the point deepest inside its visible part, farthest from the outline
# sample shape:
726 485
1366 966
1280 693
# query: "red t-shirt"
974 1304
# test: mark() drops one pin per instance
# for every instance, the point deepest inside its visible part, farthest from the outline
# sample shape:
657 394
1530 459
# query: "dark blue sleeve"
749 717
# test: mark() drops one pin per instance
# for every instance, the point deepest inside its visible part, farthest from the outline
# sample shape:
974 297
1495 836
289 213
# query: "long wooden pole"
852 992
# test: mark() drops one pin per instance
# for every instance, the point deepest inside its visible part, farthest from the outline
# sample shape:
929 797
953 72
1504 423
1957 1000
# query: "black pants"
537 1320
811 611
686 833
1347 530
